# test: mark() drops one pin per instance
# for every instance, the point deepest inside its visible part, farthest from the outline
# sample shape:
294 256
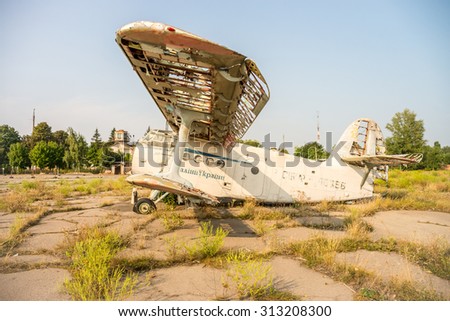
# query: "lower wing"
167 185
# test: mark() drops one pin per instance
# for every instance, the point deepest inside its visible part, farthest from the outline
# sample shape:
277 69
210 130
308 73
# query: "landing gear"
144 206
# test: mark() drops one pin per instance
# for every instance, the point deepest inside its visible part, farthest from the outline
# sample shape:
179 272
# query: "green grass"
175 249
250 276
208 243
93 276
415 190
171 220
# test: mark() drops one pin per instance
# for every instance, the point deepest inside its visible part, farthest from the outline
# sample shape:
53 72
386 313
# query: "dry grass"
21 223
319 253
26 195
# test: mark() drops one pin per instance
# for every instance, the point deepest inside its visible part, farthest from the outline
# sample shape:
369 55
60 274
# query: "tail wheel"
144 206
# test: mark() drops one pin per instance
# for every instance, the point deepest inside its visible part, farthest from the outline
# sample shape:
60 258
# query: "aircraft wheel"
144 206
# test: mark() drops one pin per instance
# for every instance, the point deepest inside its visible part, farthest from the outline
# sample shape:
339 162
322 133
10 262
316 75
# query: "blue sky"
343 59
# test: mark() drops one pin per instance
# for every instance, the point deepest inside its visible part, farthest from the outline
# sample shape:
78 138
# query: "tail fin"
363 145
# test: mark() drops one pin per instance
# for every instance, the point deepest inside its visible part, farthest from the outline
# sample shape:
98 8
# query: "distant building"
122 144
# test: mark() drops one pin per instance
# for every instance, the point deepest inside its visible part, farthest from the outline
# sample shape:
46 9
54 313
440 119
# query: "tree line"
69 149
55 150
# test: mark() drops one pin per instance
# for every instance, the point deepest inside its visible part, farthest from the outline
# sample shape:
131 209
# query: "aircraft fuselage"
268 176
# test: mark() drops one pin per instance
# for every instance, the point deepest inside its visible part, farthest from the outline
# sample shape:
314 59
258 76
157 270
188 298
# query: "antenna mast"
318 129
34 117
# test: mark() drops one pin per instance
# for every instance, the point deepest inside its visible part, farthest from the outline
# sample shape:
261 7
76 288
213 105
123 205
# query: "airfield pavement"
34 270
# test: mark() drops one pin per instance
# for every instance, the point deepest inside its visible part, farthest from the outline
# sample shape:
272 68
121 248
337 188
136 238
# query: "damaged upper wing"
183 71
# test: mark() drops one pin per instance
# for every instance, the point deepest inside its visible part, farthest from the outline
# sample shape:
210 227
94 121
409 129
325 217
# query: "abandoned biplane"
210 96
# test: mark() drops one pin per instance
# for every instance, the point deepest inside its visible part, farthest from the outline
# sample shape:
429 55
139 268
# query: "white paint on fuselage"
275 178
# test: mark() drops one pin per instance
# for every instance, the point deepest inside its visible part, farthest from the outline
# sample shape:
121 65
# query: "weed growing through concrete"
175 250
208 243
261 227
250 276
171 221
248 209
93 277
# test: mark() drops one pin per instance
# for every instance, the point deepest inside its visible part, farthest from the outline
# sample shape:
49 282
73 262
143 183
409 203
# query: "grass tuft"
209 242
171 221
93 277
249 275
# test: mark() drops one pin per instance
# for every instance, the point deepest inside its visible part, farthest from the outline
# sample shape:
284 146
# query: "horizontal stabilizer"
377 160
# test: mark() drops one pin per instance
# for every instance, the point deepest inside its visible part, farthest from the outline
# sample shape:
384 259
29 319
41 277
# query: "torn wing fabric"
184 71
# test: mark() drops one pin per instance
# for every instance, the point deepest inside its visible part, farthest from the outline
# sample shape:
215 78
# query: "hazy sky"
343 59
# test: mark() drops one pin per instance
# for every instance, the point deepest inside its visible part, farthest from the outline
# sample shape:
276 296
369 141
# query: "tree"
109 157
26 140
75 153
407 134
47 154
60 137
18 156
112 136
446 154
311 150
42 132
250 142
433 157
96 138
8 136
94 154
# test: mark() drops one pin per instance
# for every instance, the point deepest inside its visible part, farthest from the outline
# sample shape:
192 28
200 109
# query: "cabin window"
220 163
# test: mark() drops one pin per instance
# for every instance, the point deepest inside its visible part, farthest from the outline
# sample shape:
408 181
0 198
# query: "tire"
144 206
